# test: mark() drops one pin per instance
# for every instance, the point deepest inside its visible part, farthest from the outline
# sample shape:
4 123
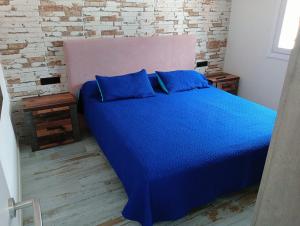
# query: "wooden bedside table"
52 119
225 81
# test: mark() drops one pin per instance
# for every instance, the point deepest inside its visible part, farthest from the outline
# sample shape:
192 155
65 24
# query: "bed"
175 152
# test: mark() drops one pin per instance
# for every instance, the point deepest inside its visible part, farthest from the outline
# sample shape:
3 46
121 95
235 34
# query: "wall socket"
50 80
201 66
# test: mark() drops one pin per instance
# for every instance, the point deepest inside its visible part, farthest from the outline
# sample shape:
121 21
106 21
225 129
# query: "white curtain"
278 202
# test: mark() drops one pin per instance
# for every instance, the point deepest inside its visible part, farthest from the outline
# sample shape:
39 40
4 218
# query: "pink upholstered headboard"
86 58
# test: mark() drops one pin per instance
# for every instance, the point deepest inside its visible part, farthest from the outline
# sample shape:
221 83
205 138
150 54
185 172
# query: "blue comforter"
179 151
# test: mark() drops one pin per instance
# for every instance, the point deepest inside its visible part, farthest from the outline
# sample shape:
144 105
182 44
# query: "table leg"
74 119
32 126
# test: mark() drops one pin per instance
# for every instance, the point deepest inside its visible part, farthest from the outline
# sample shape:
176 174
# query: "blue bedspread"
179 151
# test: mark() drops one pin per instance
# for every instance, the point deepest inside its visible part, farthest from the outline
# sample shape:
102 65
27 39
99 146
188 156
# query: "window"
287 27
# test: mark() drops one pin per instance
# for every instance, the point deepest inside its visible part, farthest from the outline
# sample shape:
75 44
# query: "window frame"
1 101
276 52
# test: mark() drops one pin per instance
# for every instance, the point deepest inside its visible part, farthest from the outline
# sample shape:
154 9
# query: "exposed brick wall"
31 34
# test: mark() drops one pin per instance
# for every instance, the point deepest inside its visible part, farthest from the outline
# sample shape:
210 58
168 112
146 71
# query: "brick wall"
31 34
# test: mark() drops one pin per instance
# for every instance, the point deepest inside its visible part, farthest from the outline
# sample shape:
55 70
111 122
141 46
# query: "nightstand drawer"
58 127
227 86
55 140
51 114
224 81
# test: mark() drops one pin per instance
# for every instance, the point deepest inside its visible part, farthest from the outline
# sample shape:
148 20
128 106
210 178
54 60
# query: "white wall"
250 39
9 151
5 219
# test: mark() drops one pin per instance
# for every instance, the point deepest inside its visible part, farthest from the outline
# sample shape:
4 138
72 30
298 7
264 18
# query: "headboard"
88 57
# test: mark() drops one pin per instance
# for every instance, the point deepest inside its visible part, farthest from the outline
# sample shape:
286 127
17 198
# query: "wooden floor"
77 186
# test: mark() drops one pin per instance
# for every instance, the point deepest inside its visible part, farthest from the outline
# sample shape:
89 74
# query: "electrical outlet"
50 80
202 64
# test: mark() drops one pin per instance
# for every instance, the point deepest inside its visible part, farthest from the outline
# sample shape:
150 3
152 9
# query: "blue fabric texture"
134 85
181 80
177 152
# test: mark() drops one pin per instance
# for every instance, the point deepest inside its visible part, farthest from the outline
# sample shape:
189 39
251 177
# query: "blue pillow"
133 85
90 89
175 81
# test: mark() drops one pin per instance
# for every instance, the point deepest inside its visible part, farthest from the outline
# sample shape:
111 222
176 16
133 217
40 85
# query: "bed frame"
88 57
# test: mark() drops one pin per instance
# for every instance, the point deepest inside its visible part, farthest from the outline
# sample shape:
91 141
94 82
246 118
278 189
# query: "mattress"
177 152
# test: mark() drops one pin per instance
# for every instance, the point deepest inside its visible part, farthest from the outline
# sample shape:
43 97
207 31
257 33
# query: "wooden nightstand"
225 81
52 120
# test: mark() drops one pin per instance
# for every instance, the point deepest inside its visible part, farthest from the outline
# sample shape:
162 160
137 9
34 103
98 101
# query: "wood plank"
112 222
55 138
219 77
52 116
53 124
53 119
48 101
58 130
53 144
50 110
225 81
